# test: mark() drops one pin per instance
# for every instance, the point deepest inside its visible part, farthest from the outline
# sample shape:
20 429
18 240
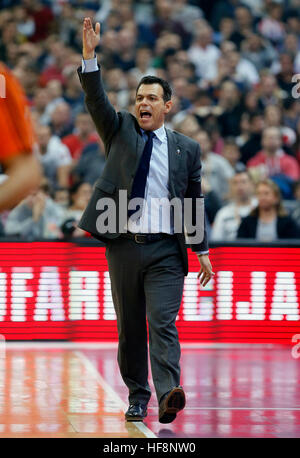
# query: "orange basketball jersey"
16 131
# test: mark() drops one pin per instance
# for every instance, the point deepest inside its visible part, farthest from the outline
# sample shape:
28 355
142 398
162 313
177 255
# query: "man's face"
242 185
84 125
43 136
150 107
203 139
271 140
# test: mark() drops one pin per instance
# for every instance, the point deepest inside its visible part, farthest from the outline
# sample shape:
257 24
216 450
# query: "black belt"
145 238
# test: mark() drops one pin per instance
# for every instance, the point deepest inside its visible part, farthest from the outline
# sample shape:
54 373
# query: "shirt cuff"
89 65
201 252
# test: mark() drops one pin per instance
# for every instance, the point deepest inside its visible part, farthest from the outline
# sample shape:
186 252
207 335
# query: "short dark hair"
156 80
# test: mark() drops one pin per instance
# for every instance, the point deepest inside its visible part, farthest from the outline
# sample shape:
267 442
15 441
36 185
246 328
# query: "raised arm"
103 113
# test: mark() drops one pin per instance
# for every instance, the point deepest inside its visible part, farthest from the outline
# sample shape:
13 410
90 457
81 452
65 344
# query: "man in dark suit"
146 266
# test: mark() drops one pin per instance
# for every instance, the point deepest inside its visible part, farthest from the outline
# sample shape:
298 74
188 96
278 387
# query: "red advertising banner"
61 291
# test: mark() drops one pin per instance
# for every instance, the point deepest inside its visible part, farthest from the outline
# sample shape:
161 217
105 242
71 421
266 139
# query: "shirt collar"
160 133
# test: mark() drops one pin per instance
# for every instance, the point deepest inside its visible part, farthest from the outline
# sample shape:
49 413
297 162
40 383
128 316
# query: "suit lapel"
174 154
140 143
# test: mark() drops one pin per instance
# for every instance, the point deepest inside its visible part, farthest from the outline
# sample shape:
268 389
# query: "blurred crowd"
234 67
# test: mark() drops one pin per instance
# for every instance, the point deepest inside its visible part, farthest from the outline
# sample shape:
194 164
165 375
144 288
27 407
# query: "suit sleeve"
101 110
194 192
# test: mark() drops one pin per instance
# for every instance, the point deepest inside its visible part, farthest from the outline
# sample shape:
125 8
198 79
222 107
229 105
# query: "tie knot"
150 134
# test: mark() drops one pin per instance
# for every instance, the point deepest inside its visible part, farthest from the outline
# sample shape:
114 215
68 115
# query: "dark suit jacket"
286 228
124 146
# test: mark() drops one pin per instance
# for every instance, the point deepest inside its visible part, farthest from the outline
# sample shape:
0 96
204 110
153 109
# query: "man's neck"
271 153
243 201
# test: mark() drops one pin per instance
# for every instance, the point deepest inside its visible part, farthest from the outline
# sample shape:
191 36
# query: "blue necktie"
140 179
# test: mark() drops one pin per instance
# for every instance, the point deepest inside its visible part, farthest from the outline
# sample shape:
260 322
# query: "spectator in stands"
36 217
223 8
62 197
55 91
291 113
186 14
286 73
230 108
245 130
268 91
204 54
215 169
84 134
258 51
242 70
253 144
244 25
80 194
291 46
188 125
143 64
90 164
272 160
54 156
269 220
165 22
271 25
61 120
212 201
40 103
232 154
125 58
273 115
226 30
25 22
73 92
241 202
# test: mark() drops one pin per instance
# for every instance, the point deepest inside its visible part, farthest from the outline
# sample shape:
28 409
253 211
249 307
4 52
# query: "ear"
168 106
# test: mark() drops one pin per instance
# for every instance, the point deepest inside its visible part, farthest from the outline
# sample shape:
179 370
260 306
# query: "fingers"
87 25
97 29
205 276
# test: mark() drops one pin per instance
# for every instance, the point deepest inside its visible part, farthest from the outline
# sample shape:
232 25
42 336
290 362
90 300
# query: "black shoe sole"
174 402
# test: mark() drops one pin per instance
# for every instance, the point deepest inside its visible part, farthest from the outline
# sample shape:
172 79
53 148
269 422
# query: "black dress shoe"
136 412
171 403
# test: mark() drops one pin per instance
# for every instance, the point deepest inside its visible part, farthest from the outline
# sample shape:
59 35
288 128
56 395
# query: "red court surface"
75 390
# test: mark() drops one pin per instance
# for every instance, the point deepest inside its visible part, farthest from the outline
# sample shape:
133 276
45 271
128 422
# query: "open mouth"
145 114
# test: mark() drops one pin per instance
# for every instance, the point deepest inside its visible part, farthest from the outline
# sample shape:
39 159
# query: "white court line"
112 393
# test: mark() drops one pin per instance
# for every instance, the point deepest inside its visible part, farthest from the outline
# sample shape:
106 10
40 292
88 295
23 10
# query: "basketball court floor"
75 390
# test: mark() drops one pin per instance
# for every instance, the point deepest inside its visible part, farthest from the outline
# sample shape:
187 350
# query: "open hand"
206 272
90 38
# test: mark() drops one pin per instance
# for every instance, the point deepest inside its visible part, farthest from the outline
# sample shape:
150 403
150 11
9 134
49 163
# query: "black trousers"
147 281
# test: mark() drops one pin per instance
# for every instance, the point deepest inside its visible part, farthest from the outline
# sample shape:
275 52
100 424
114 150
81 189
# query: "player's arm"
24 175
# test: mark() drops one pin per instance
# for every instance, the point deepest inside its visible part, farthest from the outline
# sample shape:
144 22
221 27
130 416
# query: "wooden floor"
77 391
